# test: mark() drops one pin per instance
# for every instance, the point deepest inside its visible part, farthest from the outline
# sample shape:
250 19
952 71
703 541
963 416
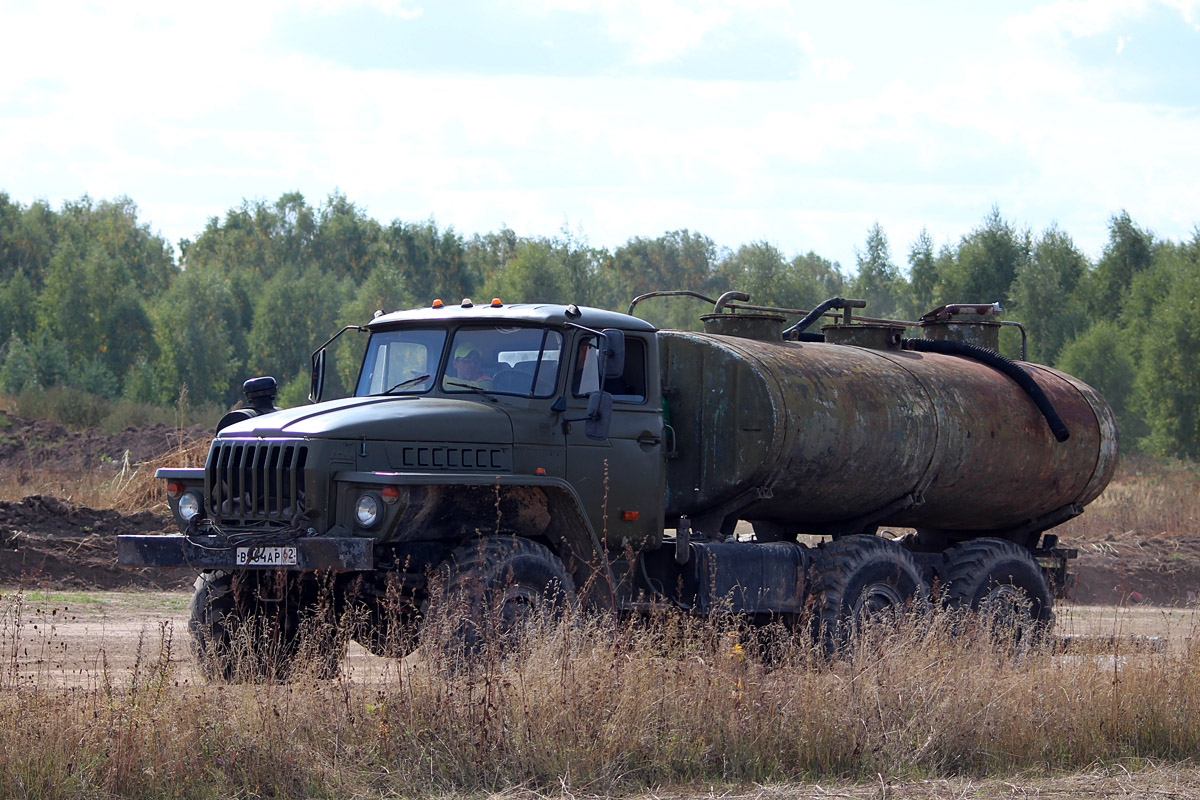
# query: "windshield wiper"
472 387
402 384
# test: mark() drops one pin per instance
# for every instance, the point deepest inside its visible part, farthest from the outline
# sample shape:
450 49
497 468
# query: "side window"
630 387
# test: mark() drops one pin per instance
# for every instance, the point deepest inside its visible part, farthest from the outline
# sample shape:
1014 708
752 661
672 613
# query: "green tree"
383 290
986 262
536 274
257 238
295 312
922 269
27 238
817 279
433 262
193 345
347 242
1168 378
1044 295
18 307
760 270
1129 252
104 265
1102 357
879 281
38 364
487 254
679 260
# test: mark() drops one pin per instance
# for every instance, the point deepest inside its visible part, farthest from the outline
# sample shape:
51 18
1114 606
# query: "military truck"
554 455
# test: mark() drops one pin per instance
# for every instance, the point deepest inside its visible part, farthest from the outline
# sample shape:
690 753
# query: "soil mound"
26 444
47 543
1152 570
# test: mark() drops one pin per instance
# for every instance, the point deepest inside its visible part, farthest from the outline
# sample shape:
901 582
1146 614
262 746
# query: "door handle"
647 440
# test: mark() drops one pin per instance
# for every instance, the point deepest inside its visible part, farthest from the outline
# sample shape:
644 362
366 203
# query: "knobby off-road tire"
494 590
1002 583
262 626
385 623
858 580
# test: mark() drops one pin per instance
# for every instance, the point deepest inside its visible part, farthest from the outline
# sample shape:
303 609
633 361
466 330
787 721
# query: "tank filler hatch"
875 335
969 323
763 327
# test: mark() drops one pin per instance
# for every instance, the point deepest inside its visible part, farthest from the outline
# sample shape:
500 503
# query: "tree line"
92 299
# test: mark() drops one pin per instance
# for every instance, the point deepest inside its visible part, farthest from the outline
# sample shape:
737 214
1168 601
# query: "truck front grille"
255 482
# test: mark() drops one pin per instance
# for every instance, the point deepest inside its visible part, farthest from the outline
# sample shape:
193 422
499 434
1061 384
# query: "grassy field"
99 698
599 707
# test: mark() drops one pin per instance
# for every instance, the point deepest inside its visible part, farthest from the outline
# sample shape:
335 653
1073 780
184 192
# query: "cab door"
621 480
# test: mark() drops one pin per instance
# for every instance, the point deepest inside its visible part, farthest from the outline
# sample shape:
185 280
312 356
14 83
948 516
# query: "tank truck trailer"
550 455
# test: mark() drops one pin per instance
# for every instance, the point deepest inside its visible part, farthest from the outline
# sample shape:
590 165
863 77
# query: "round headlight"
190 505
367 510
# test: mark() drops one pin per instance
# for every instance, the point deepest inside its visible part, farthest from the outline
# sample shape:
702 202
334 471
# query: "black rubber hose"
814 315
808 337
997 361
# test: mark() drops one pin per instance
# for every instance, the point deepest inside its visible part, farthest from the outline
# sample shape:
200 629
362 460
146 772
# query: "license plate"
266 556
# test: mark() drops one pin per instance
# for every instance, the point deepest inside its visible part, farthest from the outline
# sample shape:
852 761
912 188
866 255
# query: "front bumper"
338 554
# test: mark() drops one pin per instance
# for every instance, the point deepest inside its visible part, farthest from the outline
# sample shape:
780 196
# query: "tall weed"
599 706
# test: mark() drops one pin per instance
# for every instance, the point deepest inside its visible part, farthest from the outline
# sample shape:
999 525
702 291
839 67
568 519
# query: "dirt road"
87 637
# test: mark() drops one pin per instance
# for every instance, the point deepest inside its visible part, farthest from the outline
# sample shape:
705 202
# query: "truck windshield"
519 361
513 360
401 362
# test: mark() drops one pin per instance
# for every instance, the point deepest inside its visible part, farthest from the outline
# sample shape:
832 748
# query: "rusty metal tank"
836 438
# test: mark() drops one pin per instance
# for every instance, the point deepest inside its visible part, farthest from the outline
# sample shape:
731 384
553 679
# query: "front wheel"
494 590
261 627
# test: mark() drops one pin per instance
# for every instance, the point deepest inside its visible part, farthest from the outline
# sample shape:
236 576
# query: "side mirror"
599 415
612 353
318 376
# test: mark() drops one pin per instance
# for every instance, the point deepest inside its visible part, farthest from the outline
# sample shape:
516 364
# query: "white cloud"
1074 18
188 114
1081 18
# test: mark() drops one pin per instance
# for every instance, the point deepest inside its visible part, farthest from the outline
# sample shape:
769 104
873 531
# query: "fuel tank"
836 438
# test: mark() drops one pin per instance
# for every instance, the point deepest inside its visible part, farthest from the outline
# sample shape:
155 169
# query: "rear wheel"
859 580
1002 583
494 590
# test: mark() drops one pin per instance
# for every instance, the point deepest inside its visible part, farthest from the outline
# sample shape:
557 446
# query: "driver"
468 366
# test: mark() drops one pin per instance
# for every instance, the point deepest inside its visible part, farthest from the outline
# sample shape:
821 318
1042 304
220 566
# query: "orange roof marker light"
438 303
496 302
540 471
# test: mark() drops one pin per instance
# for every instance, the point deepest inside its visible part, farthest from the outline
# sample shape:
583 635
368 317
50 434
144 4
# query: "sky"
797 123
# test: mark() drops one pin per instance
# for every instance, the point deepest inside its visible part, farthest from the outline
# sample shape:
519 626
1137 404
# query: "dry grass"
1146 497
599 707
602 707
136 489
126 487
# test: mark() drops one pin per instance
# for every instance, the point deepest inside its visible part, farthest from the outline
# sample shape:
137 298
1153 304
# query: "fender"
568 531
